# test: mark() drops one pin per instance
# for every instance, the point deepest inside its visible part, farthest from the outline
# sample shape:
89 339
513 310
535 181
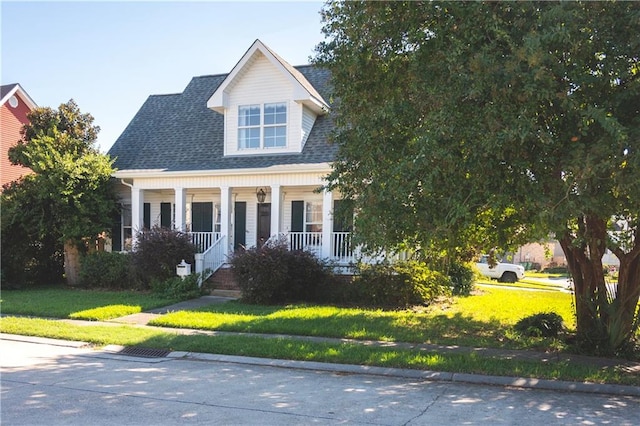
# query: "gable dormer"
269 106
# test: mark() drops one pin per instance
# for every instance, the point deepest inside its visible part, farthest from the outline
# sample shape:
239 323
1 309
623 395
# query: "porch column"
275 209
181 209
137 212
225 218
327 223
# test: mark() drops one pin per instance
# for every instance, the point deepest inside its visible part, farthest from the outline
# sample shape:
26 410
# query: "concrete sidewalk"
142 320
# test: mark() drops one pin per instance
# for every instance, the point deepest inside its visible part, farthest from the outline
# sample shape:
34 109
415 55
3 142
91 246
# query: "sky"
110 56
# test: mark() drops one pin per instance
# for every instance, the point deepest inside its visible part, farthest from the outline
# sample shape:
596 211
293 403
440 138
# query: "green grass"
55 302
482 320
286 348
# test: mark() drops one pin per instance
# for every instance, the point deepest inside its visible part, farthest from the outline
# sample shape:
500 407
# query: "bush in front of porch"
273 274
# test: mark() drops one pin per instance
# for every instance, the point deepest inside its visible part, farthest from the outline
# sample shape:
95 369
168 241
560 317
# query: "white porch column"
327 223
137 212
275 209
225 218
181 209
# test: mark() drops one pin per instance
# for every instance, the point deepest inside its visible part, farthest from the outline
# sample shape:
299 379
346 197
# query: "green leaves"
68 197
446 113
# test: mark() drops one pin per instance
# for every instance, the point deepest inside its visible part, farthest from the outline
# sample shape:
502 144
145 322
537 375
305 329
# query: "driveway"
46 382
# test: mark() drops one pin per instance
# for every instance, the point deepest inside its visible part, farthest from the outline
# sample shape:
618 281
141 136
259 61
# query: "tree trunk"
71 263
606 316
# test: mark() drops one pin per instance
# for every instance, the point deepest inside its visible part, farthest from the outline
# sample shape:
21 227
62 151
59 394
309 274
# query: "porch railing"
342 251
308 241
211 260
204 240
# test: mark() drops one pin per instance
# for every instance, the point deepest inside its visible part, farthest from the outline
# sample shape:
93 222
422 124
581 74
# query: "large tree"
68 200
515 118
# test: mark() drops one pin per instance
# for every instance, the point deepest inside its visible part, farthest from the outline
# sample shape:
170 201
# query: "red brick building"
16 104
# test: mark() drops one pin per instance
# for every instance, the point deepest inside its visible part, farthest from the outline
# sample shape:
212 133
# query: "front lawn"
482 320
56 302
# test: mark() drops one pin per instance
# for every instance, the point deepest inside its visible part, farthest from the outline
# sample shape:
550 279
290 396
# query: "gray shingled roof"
178 132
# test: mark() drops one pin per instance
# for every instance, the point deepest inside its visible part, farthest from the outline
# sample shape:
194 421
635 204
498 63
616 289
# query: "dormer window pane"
275 136
249 115
249 137
275 114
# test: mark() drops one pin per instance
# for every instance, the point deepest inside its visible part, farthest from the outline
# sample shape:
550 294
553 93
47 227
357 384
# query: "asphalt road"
55 383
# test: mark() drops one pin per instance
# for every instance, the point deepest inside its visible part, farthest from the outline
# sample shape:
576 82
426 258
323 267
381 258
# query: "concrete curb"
515 382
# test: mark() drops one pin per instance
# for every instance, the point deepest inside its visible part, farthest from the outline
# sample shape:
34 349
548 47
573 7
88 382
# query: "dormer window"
262 126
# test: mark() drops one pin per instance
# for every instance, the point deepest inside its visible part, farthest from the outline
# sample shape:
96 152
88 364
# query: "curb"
478 379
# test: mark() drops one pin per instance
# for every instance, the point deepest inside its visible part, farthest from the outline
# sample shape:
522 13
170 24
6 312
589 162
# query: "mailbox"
183 269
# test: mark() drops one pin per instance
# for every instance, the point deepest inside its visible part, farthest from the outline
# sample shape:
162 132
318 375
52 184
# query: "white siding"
308 119
260 83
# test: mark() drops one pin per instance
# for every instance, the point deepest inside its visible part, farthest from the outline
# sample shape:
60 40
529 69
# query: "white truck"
503 272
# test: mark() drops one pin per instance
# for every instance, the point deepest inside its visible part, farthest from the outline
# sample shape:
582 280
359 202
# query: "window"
313 217
262 126
249 126
127 231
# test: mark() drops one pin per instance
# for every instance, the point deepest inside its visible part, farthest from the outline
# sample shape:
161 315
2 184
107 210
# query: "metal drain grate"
144 352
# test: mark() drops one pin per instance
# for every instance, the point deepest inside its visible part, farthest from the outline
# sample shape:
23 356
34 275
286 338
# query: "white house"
234 160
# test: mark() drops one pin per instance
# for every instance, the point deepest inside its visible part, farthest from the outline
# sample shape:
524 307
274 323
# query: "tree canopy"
469 123
68 198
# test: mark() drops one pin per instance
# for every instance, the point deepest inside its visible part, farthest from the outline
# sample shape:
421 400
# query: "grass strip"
292 349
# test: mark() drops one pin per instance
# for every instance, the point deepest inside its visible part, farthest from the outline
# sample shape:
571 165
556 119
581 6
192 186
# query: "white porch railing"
204 240
342 250
211 260
308 241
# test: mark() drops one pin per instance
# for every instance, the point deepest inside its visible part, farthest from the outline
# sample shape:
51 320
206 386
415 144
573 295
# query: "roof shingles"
179 133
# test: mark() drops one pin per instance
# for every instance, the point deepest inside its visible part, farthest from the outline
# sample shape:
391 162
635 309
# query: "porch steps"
227 293
223 280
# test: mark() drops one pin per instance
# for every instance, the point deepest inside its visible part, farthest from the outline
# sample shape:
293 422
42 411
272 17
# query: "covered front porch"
221 219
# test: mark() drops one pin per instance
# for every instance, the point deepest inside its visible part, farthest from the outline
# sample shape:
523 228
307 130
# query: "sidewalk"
142 319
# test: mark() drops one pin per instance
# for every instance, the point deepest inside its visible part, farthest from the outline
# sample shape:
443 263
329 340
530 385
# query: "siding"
12 120
263 83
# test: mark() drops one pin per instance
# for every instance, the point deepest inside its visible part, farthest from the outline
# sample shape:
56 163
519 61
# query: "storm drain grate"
145 352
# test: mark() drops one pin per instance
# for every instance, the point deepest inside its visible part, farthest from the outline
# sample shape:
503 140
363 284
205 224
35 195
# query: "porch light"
260 194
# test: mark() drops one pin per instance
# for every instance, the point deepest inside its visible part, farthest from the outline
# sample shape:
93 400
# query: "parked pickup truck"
503 272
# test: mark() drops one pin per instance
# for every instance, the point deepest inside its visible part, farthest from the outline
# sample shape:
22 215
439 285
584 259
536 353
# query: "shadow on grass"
327 321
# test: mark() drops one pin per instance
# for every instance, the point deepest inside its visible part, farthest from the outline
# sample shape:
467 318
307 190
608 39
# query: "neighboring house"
16 104
235 159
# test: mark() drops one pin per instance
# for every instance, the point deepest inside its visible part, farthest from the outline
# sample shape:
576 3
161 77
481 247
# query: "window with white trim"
313 216
262 126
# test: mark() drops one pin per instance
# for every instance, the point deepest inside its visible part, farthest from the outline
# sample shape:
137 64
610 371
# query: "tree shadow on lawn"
327 321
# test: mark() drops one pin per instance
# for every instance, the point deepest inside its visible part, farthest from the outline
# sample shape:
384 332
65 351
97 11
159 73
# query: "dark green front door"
240 225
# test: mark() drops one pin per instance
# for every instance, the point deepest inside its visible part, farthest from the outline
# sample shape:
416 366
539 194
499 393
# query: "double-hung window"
262 126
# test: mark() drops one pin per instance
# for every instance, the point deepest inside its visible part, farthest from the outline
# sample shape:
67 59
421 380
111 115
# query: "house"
235 159
15 104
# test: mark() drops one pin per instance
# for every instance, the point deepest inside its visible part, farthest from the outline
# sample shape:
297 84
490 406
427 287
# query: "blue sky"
110 56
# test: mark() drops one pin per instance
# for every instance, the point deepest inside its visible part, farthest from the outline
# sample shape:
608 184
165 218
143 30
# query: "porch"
212 255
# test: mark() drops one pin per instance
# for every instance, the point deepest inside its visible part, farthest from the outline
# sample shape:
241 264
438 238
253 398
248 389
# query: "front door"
240 225
264 223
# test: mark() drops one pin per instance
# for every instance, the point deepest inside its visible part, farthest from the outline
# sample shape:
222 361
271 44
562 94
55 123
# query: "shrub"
399 285
462 277
544 324
107 270
272 274
158 251
178 288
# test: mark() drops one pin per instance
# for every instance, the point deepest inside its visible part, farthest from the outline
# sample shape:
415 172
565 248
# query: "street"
57 384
